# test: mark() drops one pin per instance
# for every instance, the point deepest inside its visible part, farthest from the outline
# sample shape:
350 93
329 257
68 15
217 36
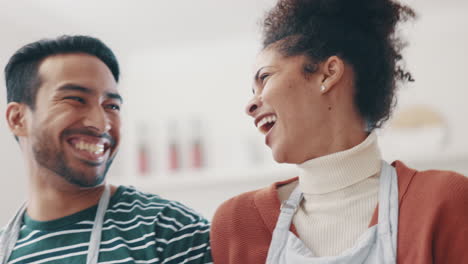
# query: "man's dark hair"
21 72
361 32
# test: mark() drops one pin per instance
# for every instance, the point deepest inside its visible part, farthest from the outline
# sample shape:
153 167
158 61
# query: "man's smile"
93 150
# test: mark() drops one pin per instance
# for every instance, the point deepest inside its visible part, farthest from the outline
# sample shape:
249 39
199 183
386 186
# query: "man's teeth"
94 148
267 119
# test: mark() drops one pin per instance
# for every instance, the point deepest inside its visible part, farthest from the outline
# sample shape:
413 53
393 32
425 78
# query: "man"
64 110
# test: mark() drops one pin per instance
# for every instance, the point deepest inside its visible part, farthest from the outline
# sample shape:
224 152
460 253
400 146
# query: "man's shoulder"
130 199
182 234
131 193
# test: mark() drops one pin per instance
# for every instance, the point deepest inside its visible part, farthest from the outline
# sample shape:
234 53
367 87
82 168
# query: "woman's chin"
280 156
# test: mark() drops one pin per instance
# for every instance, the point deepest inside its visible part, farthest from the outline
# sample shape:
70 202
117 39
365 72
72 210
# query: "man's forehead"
76 68
66 59
73 64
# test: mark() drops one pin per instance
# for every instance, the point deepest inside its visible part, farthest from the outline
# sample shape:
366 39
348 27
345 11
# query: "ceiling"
143 22
129 26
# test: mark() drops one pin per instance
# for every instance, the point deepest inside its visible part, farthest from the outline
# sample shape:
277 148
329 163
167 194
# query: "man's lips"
89 146
91 150
89 136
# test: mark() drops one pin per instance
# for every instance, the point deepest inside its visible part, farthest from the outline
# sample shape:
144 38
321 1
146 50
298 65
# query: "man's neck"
49 200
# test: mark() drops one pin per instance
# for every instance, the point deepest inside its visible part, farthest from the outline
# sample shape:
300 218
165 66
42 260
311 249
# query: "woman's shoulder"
431 196
439 185
238 205
242 226
251 203
434 212
256 209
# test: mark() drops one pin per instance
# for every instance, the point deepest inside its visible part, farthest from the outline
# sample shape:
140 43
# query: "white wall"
207 80
437 58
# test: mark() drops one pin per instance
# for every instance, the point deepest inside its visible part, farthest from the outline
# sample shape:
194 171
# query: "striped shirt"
138 228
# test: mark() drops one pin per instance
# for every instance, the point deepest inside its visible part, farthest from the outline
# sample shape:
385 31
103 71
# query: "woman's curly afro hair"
361 32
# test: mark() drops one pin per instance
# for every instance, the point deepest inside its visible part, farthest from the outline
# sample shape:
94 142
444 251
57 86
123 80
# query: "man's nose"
97 119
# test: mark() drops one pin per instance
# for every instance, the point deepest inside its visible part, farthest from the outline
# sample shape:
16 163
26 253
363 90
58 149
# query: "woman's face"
289 108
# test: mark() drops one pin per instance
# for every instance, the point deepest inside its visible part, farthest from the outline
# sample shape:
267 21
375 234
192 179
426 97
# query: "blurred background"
186 77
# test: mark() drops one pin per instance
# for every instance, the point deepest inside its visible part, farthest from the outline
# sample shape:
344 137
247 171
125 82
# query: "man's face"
74 131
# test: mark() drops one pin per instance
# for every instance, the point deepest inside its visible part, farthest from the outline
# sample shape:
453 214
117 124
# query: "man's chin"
93 163
86 182
85 173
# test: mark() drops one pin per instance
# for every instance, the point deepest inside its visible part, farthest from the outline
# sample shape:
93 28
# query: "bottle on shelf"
144 165
173 147
196 148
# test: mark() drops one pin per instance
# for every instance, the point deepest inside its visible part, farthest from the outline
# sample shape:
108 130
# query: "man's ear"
16 118
333 69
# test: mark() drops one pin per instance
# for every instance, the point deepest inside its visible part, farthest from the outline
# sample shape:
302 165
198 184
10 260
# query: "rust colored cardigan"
432 228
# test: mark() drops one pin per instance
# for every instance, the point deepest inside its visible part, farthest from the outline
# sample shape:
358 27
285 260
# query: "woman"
324 81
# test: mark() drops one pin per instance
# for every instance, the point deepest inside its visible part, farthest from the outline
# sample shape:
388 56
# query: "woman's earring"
323 88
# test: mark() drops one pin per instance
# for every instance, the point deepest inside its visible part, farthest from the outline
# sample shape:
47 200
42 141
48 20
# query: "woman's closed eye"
264 76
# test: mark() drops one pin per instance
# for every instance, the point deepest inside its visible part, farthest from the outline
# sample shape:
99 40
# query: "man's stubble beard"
54 160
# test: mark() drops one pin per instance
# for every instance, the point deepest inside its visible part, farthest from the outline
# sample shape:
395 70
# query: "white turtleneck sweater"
340 196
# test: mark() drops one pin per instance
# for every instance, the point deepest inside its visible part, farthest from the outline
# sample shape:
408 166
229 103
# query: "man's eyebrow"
74 87
115 96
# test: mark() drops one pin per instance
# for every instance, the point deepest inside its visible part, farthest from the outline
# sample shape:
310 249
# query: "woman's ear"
333 69
16 118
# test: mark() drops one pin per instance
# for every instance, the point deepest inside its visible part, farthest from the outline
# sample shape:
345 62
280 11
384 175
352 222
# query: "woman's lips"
265 123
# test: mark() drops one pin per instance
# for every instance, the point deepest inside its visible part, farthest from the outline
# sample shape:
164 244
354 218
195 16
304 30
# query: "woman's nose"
252 106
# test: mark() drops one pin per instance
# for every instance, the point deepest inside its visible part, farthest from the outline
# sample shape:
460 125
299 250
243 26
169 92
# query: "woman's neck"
341 169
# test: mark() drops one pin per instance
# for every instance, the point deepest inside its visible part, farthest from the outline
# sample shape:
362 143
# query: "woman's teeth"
266 123
93 148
